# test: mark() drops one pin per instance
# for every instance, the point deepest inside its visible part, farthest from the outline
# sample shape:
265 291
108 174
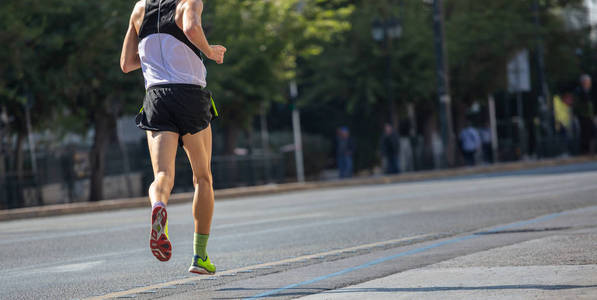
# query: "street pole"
32 150
296 128
30 139
265 143
493 126
543 99
443 82
296 120
392 106
522 137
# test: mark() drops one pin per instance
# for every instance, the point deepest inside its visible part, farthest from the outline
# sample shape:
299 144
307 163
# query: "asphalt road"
295 237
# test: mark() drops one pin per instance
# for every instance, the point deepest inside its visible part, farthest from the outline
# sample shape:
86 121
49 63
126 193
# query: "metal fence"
63 175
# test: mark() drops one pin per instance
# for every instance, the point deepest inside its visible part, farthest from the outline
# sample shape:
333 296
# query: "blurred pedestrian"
563 120
177 110
390 147
344 152
470 143
405 149
585 103
485 134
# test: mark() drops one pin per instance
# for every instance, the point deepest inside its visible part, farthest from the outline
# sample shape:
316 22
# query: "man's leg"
162 149
198 149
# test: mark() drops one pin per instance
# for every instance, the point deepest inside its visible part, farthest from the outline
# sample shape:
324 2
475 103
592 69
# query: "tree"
483 36
95 91
347 79
34 46
264 39
64 63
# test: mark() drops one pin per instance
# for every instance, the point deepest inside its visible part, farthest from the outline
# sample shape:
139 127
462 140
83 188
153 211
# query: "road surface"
292 245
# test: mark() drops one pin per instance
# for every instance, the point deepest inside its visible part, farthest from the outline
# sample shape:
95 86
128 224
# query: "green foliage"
351 67
63 57
263 39
92 83
482 36
32 46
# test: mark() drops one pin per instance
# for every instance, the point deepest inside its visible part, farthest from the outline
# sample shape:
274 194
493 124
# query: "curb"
107 205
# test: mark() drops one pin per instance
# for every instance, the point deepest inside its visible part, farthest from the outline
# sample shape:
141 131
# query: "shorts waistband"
175 85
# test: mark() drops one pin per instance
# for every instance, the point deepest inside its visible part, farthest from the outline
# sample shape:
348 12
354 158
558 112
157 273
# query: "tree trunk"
3 187
2 161
104 124
19 168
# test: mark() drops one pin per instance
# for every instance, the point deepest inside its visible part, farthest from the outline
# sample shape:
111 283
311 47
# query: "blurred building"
592 17
582 17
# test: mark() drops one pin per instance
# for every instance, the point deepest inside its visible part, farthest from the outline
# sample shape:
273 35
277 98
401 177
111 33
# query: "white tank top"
167 55
165 59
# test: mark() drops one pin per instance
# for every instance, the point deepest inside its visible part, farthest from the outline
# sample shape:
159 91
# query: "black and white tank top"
167 55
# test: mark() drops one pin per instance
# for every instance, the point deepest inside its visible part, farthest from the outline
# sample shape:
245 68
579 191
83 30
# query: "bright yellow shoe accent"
201 266
166 230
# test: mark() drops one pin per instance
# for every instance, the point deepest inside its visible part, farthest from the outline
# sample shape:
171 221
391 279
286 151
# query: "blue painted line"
401 254
527 222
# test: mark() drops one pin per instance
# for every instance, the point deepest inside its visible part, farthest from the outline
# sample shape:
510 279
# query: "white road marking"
58 269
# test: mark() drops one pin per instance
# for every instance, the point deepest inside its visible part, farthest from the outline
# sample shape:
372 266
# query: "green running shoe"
201 266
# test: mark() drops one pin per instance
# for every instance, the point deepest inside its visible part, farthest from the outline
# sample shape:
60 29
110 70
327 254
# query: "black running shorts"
181 108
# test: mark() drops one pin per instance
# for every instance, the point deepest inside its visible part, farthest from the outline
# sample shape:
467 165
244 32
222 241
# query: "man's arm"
129 58
191 26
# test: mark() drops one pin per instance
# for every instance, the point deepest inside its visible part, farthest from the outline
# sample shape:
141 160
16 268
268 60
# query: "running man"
165 39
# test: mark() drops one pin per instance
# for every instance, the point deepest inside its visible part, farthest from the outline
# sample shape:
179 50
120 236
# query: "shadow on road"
551 170
309 291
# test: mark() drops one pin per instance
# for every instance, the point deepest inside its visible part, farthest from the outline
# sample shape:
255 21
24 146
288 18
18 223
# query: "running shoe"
202 266
158 241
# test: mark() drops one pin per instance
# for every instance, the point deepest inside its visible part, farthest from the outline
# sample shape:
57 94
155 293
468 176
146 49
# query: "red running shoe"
158 241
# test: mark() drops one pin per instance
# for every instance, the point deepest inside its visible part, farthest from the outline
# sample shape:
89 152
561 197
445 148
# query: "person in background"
344 152
485 134
470 143
390 148
405 149
584 110
563 119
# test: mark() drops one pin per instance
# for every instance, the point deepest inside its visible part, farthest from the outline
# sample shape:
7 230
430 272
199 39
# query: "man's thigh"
198 147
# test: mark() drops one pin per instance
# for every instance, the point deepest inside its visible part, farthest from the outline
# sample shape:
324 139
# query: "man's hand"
216 53
189 20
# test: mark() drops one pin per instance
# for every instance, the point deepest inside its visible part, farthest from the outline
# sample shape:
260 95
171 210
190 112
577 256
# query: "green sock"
200 245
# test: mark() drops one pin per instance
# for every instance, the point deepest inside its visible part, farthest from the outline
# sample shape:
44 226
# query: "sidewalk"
562 265
84 207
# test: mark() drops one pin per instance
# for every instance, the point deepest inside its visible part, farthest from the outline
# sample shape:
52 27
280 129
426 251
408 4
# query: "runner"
165 39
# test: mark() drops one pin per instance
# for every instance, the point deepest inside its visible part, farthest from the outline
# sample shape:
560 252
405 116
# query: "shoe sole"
200 271
158 241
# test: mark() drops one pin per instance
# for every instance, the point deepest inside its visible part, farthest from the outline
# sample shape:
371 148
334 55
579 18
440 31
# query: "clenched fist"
216 53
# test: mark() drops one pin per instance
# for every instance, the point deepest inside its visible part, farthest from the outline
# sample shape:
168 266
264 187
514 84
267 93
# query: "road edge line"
422 237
